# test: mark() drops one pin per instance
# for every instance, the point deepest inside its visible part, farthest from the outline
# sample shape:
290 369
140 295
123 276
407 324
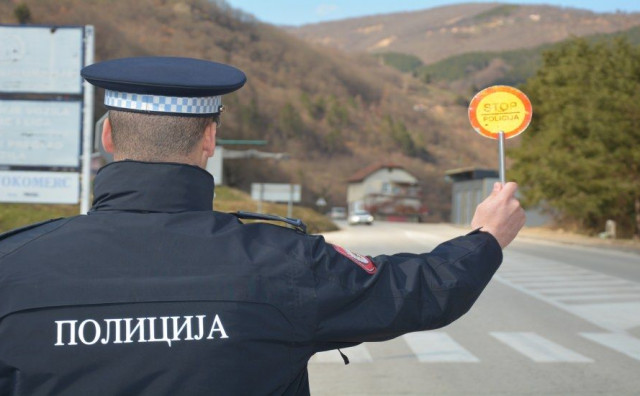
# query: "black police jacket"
153 293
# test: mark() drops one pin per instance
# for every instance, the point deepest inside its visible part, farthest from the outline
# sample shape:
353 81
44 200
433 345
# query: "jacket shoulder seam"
63 221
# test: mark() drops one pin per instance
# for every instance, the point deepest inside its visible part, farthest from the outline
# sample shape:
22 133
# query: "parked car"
338 213
360 217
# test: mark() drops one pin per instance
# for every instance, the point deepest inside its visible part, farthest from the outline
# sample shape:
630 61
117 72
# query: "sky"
300 12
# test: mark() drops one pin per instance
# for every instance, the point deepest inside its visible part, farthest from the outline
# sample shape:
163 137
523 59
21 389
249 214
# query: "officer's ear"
209 140
107 140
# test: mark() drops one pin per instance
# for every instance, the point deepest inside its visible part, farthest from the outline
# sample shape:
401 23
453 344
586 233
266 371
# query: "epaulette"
295 223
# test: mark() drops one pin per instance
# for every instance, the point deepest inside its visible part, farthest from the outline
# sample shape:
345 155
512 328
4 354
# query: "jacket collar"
152 187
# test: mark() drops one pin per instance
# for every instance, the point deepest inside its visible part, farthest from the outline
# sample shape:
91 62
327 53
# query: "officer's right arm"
404 293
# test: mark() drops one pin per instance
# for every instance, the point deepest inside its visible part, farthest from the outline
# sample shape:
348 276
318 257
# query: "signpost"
500 112
274 192
44 109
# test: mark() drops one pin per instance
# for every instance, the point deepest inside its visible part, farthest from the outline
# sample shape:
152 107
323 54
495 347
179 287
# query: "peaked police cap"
169 85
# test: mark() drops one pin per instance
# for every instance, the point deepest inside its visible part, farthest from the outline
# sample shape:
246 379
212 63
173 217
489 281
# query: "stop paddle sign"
500 109
500 112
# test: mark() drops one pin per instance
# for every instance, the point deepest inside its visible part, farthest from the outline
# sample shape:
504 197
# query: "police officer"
152 292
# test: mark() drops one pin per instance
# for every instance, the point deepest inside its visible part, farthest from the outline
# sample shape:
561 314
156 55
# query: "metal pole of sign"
501 156
87 124
290 203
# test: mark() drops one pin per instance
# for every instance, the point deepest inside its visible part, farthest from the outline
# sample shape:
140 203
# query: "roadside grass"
14 215
227 200
231 200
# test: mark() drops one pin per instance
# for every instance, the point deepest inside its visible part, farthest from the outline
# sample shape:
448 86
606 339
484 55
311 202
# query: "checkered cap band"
163 104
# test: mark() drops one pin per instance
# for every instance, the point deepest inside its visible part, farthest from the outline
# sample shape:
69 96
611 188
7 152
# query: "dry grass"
226 200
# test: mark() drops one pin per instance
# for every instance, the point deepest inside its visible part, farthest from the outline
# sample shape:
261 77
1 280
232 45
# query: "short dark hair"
155 137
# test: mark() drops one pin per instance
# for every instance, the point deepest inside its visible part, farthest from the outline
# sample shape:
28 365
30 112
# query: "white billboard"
39 187
41 59
40 133
275 192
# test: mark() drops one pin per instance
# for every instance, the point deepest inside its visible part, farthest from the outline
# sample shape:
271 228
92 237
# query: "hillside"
466 47
464 73
333 113
439 33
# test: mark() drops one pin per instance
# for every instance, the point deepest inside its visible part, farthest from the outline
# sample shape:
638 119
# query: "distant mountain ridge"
438 33
479 69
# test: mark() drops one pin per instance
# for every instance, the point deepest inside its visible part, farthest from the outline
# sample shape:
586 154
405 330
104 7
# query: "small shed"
470 187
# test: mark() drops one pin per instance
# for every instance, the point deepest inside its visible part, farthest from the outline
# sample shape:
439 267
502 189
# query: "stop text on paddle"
500 109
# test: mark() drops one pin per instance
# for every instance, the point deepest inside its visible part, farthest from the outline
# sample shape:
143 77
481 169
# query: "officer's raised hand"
500 214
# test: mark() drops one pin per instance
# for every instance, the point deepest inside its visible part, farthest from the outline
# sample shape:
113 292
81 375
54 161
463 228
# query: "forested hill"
333 113
439 33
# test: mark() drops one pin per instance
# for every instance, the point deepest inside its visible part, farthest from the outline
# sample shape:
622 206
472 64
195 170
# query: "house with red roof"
387 191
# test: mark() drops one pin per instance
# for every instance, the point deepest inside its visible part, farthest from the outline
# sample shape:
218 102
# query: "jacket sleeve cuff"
491 237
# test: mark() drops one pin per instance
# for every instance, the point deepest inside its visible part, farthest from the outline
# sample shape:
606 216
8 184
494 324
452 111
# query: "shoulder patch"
363 262
296 223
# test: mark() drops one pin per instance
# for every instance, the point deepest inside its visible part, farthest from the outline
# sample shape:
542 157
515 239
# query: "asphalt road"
555 320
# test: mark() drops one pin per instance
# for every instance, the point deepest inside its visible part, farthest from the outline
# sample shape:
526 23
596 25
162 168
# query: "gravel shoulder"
562 236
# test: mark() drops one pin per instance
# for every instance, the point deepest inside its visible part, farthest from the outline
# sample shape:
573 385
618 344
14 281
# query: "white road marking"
542 273
539 349
434 347
597 308
600 289
580 282
619 316
439 347
561 278
622 343
356 354
601 297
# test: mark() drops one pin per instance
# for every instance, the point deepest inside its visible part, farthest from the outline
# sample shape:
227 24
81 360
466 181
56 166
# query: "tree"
22 13
337 114
290 122
403 139
580 154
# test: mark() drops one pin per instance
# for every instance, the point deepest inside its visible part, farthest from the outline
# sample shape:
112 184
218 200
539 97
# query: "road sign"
40 132
500 109
500 112
275 192
41 59
44 107
39 187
